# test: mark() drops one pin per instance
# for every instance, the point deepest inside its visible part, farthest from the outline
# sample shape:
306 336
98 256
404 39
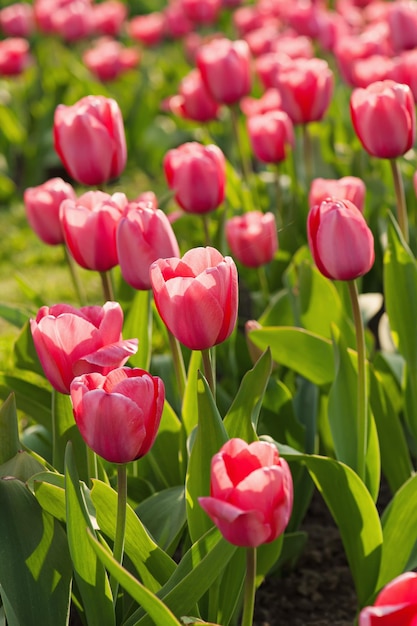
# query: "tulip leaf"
164 516
306 353
190 403
156 609
354 513
35 568
242 417
25 355
9 441
32 397
230 586
65 430
90 574
399 527
138 324
210 436
153 565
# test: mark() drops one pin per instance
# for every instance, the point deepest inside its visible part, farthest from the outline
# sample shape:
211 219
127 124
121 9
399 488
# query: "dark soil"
319 591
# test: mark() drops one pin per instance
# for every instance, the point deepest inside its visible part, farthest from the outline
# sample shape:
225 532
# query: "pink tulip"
144 234
383 116
306 87
340 240
405 70
118 414
377 67
402 22
252 238
251 493
89 225
197 175
345 188
108 59
73 21
225 69
148 29
193 100
269 101
71 341
42 209
177 24
395 605
197 296
108 17
90 140
14 56
271 136
17 20
202 11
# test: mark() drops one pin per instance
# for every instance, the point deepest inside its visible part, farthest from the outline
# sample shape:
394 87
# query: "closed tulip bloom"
89 225
269 101
225 67
73 21
346 188
70 342
271 135
395 605
340 240
108 59
197 175
17 20
402 22
177 24
306 87
90 140
14 56
383 116
197 296
251 493
202 11
144 234
42 205
149 29
108 17
252 238
118 415
193 101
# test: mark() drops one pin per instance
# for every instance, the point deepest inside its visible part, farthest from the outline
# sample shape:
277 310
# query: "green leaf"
13 315
35 568
151 604
210 437
9 441
65 430
355 513
138 324
399 527
163 514
306 353
242 417
89 572
190 404
25 355
33 395
153 565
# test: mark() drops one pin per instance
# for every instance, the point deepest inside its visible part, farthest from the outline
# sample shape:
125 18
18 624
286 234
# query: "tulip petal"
108 356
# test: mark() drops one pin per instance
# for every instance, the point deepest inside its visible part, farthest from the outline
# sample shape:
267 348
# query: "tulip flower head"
252 238
340 240
346 188
42 204
90 140
383 116
395 604
251 493
271 136
118 415
70 342
197 296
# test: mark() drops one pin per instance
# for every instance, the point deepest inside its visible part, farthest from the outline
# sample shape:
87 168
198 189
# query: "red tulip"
395 604
73 21
90 140
402 21
108 59
197 175
197 296
202 11
193 100
271 135
89 225
225 69
177 24
340 240
144 234
17 20
148 29
108 17
345 188
71 341
269 101
252 238
383 116
118 415
251 493
42 205
14 56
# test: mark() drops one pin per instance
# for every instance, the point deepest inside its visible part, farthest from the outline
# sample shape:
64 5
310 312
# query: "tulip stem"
107 286
206 226
91 463
308 156
278 202
234 113
400 196
250 588
119 539
208 370
362 412
179 366
74 277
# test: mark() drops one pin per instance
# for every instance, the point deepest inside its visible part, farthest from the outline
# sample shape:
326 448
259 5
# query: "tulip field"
208 312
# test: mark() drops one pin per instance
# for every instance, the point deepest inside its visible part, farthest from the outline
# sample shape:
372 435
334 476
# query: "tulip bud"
118 415
340 240
345 188
42 205
251 493
271 135
252 238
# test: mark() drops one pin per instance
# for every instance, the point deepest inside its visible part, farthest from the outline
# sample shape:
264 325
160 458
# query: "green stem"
208 370
250 588
179 366
246 170
92 464
278 203
263 281
107 286
206 226
74 277
119 539
308 156
400 196
362 412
